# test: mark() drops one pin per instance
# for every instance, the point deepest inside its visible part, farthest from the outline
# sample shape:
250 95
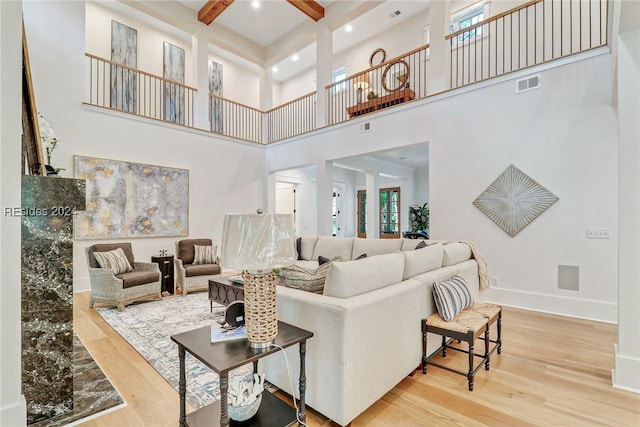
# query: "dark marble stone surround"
48 207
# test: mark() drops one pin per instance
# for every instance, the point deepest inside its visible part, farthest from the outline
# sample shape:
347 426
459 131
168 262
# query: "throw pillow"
114 260
322 260
363 256
421 245
306 280
451 297
299 248
204 254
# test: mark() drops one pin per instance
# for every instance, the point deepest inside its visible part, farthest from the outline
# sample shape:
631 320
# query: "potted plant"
49 142
419 216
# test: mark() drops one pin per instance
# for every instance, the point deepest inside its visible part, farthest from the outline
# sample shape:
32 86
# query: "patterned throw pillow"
451 297
204 254
114 260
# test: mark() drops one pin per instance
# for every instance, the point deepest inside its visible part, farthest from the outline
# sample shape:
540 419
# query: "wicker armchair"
143 283
190 277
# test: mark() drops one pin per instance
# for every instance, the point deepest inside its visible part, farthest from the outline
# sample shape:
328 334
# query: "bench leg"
444 346
487 356
499 340
424 347
470 374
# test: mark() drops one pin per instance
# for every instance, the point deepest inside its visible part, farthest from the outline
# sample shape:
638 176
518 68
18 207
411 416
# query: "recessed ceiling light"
274 69
348 28
295 58
255 4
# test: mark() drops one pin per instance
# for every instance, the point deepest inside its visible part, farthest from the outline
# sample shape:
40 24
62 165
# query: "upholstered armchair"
192 276
110 286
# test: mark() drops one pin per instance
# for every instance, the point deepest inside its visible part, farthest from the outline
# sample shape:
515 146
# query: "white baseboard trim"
14 415
81 284
626 374
554 304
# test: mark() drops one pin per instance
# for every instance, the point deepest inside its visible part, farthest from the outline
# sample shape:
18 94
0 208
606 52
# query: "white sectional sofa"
366 324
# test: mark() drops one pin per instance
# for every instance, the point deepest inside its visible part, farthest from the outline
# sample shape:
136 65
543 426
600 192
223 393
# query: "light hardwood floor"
553 370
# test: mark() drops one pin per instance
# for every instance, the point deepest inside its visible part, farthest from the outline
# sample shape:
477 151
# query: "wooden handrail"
491 19
291 102
212 95
140 72
384 64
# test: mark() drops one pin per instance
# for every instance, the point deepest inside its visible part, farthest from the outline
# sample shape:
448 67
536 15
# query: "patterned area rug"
148 327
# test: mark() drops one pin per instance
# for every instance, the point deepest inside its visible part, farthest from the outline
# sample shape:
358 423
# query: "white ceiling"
277 21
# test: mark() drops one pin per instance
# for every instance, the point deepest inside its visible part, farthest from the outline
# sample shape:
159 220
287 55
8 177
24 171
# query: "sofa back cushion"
186 251
422 260
455 253
307 246
375 246
106 247
350 278
331 247
410 244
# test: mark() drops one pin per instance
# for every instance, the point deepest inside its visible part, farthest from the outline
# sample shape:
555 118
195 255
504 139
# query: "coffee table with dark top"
222 357
224 291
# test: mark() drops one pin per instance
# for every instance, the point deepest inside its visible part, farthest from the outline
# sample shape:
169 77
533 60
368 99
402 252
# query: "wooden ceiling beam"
211 10
310 8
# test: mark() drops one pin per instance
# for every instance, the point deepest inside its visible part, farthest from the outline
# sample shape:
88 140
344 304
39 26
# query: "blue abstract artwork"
174 92
215 88
124 81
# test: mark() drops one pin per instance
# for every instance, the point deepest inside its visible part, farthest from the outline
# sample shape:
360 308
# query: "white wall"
348 179
150 39
217 182
239 84
421 185
563 135
12 404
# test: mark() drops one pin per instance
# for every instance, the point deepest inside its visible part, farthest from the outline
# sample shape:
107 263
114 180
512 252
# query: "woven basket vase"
260 314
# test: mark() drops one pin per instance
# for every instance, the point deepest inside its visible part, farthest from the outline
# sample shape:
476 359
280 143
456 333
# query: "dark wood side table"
166 272
224 291
222 357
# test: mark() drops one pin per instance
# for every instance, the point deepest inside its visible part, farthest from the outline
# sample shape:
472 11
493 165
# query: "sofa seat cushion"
350 278
330 247
375 246
137 278
422 260
192 270
455 253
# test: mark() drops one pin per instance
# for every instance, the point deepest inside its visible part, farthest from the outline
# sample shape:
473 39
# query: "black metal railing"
236 120
292 118
119 87
530 34
395 81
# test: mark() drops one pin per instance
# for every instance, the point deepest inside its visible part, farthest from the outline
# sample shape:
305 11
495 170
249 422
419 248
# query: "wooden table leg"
224 387
303 380
182 387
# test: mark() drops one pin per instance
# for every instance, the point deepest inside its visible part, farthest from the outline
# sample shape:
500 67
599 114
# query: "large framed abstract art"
173 72
126 200
215 88
124 81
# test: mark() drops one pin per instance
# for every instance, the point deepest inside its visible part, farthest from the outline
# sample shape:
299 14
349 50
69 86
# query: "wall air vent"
394 14
365 127
528 83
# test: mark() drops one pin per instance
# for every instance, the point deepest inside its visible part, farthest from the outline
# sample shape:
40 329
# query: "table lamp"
361 83
256 244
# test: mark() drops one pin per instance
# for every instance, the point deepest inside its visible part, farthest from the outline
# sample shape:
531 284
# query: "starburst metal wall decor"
514 200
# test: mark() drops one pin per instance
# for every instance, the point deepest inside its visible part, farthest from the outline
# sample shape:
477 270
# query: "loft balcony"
534 33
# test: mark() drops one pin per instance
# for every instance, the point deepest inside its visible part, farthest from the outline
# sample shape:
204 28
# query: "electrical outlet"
494 281
598 233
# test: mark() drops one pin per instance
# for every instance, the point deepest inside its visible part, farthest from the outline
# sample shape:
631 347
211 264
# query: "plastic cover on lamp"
257 241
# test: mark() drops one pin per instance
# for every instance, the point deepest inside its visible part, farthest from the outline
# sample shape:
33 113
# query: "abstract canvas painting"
513 200
126 200
173 70
215 88
124 82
